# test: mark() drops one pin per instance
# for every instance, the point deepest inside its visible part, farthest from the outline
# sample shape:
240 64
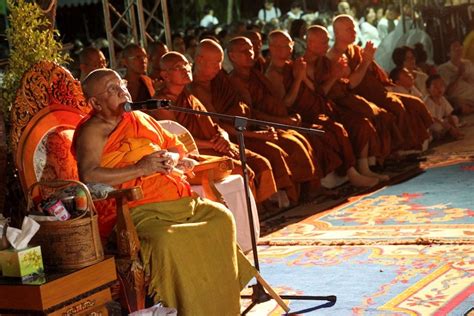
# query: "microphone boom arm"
240 122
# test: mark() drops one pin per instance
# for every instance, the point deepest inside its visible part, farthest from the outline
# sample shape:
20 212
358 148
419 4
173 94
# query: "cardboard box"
21 263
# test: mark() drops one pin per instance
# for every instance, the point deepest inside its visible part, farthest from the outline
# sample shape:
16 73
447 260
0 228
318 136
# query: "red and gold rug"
434 207
371 280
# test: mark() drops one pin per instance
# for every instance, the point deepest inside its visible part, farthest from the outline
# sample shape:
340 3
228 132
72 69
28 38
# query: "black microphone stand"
240 124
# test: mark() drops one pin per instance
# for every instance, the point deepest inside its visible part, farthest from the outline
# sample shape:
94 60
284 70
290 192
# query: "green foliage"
31 40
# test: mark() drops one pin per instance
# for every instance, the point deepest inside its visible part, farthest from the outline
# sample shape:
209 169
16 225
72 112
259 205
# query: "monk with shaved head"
256 39
210 138
135 59
91 59
212 86
187 243
334 149
369 80
155 51
256 91
330 76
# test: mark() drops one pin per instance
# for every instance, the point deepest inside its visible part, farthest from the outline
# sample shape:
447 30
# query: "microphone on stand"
151 104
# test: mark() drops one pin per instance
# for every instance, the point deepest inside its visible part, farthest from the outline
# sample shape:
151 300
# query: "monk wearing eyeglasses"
188 244
135 59
210 138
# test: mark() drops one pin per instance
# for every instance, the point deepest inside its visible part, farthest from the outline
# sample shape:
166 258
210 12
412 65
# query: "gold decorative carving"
44 84
79 308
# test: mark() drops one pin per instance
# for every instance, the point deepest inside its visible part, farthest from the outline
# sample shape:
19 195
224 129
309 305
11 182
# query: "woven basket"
70 244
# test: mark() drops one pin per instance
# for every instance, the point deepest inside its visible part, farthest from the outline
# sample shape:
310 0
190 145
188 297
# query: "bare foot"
370 173
360 180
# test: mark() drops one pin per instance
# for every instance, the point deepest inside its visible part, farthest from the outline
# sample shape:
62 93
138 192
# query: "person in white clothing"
296 11
367 26
269 12
458 73
388 22
445 123
404 82
209 20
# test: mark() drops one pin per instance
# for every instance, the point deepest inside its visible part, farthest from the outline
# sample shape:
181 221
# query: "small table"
77 292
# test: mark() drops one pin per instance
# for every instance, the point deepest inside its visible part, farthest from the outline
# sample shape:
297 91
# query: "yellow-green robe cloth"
189 247
188 244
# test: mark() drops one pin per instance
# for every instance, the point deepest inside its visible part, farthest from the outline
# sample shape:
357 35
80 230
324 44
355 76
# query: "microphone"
151 104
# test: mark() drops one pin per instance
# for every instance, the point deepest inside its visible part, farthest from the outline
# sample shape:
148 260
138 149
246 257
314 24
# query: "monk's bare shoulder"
92 133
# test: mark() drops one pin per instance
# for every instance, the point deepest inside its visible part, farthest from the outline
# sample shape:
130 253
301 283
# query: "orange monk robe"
138 135
317 112
412 116
351 108
187 244
302 159
225 100
203 127
145 89
261 64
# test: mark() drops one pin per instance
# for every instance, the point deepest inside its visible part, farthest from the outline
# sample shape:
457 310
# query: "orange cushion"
53 158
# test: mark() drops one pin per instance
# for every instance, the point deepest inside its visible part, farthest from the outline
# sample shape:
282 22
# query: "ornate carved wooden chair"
48 106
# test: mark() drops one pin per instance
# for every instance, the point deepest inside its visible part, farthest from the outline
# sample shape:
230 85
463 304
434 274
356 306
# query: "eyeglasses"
114 89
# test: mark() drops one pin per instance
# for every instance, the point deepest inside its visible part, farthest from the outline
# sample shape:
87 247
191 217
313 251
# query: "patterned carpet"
371 280
406 249
434 207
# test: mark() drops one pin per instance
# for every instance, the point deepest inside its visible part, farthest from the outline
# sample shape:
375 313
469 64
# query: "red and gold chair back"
48 107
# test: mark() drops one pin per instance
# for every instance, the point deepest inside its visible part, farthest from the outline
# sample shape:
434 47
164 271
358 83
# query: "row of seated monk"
188 243
339 89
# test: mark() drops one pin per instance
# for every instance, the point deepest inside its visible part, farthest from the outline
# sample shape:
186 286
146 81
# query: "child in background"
404 82
441 110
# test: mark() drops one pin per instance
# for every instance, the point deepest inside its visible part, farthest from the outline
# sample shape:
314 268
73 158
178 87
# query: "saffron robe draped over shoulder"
145 91
135 137
413 118
226 100
188 244
302 156
203 127
317 112
352 108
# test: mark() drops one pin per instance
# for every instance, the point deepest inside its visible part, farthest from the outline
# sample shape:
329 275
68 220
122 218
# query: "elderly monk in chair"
188 244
